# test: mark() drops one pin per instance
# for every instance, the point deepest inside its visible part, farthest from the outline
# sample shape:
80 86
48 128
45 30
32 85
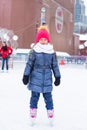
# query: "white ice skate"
33 114
50 114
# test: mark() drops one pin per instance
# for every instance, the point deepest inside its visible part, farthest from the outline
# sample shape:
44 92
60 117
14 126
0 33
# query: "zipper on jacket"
43 72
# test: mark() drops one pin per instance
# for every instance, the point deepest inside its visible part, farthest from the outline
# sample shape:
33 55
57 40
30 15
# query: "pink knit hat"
43 33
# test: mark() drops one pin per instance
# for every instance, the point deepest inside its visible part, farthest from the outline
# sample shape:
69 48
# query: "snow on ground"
70 101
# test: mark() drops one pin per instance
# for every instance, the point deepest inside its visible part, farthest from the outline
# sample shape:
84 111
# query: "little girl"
41 64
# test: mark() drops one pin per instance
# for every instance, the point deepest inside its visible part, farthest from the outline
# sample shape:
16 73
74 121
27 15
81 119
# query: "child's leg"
34 99
7 63
49 104
33 103
3 63
48 100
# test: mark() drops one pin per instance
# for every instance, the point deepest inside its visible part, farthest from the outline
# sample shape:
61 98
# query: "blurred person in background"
5 52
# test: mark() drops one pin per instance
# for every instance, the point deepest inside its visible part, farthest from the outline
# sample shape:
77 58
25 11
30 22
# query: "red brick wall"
23 17
5 13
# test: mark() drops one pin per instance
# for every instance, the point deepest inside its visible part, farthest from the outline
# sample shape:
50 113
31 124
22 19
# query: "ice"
70 101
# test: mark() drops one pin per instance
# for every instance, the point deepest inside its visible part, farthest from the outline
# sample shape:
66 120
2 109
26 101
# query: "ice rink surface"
70 101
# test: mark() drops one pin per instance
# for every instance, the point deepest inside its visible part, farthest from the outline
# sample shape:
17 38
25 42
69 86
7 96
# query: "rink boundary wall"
62 60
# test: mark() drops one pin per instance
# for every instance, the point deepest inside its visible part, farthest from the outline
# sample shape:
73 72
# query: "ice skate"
33 114
50 114
2 71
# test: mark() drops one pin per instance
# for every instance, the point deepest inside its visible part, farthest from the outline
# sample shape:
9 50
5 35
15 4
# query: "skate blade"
51 122
32 121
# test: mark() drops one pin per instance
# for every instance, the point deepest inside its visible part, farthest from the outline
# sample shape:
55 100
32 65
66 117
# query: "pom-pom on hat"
43 32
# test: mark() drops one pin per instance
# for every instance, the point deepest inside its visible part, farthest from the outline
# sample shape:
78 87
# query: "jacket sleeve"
55 66
29 64
10 50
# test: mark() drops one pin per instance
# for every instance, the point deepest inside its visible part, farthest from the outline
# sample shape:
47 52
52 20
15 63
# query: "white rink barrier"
62 60
72 60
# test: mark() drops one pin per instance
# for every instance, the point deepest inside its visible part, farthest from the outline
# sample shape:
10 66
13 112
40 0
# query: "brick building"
24 16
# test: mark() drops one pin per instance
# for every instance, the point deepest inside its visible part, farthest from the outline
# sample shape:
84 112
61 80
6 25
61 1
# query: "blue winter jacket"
39 68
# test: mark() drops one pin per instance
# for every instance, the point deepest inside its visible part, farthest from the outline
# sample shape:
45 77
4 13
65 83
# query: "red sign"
59 19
